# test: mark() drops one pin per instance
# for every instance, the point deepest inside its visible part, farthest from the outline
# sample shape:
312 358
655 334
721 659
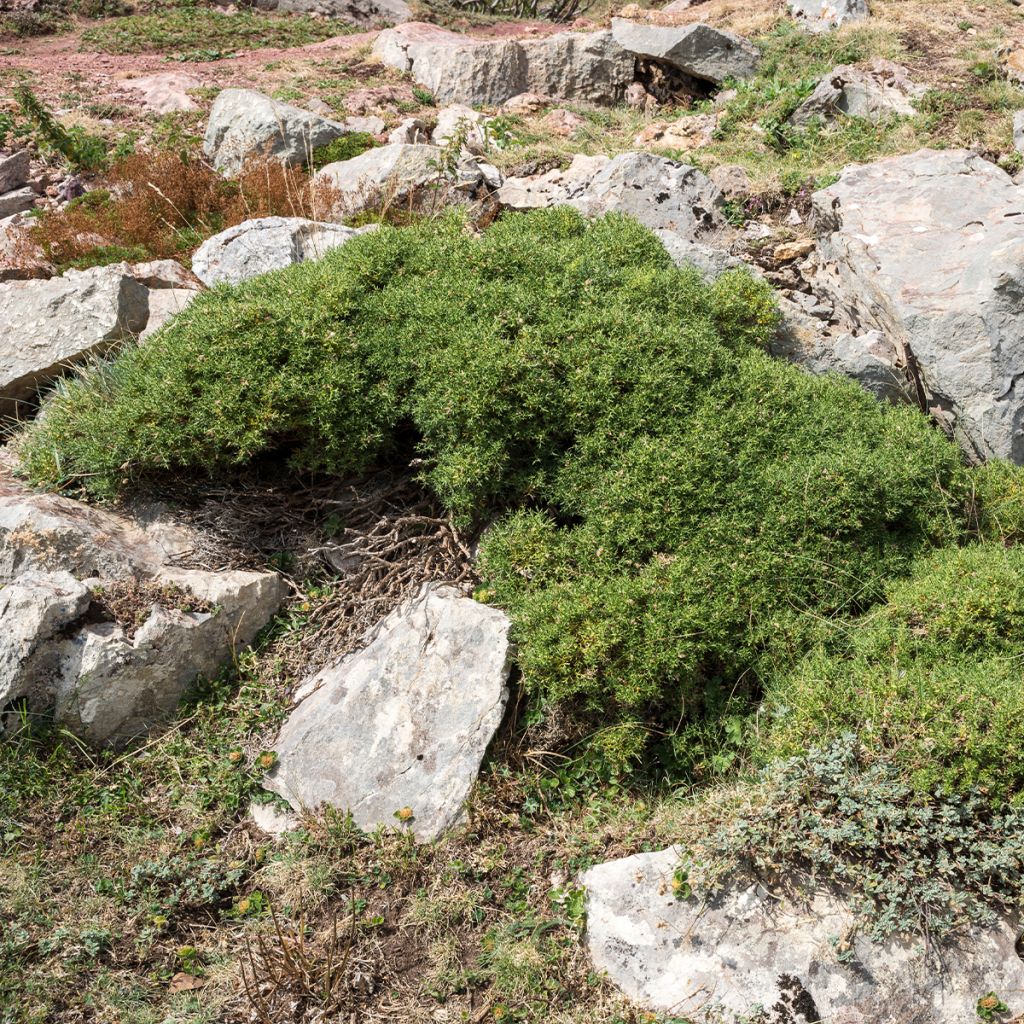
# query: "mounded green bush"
931 678
683 510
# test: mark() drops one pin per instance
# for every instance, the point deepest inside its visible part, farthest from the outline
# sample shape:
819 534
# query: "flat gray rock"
698 50
14 170
928 249
18 200
585 67
825 15
265 244
245 123
749 955
404 722
45 326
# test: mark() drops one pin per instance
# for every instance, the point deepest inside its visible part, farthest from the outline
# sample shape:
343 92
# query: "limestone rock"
403 723
14 170
927 248
660 193
824 15
710 260
56 657
690 132
165 303
731 180
265 244
412 132
1018 131
371 124
244 123
18 200
165 93
880 91
366 13
745 952
698 50
393 171
552 187
458 119
585 67
47 325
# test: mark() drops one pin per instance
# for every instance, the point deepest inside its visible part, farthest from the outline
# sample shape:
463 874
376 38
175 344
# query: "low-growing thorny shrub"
673 517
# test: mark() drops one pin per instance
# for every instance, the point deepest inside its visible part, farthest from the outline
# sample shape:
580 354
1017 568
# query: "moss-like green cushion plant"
933 678
674 510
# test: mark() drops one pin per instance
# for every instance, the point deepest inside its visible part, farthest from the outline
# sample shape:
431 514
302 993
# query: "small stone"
526 103
731 180
371 124
825 15
689 132
789 251
411 132
562 123
794 219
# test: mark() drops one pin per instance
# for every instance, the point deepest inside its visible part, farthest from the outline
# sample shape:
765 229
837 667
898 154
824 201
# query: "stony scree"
958 327
698 50
395 732
103 684
746 951
245 124
365 13
267 243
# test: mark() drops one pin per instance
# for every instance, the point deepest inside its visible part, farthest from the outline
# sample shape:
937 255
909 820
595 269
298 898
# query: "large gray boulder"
63 653
825 15
928 249
586 67
661 194
267 243
396 731
882 90
747 955
698 50
46 326
244 123
387 173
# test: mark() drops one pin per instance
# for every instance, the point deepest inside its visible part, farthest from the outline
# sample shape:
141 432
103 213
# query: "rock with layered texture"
245 124
698 50
390 172
880 91
265 244
102 680
585 67
745 954
825 15
928 249
403 724
14 170
46 326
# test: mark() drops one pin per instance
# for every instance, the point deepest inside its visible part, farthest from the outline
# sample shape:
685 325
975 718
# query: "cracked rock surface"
401 726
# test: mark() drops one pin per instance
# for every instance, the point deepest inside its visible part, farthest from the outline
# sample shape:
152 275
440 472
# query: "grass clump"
344 147
930 679
684 507
195 33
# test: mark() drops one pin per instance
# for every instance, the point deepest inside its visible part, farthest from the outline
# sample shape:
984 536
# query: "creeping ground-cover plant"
671 514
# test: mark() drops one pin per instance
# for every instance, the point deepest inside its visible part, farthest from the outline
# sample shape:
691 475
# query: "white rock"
18 200
391 172
371 124
553 187
1018 131
47 325
824 15
272 819
165 303
458 119
165 93
929 250
244 123
404 722
56 658
698 50
586 67
747 952
14 170
265 244
412 131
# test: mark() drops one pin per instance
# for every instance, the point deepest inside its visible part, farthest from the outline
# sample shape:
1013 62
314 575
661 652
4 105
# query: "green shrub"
344 147
932 677
906 862
685 509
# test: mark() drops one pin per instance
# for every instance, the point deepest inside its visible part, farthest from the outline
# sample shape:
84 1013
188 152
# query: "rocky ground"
269 749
